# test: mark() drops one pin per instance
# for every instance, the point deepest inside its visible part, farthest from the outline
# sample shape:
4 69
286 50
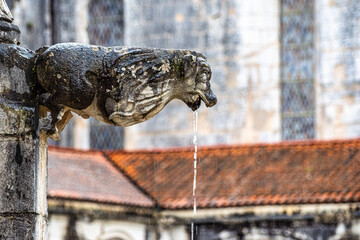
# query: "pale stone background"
241 42
338 69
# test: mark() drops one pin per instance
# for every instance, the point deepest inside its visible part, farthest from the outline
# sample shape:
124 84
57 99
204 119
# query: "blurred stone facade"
240 40
285 70
338 69
282 70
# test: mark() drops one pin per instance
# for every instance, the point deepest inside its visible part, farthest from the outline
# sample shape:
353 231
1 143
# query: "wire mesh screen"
105 137
297 76
106 28
106 22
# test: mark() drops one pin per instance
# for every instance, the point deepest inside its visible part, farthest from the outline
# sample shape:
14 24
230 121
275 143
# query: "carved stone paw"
51 130
44 124
55 136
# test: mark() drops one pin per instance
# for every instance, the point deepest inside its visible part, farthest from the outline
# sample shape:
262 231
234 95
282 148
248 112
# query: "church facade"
282 70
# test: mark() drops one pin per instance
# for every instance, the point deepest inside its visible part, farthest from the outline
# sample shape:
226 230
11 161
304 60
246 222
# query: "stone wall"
23 162
338 65
240 40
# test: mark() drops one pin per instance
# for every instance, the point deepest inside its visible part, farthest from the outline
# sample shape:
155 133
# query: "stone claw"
55 136
51 130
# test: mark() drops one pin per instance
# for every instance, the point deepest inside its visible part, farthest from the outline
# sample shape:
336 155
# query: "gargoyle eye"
204 76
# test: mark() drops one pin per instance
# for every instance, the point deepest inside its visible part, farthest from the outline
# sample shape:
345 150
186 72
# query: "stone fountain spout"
121 86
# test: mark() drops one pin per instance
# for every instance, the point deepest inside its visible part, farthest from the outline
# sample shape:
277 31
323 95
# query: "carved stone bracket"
118 85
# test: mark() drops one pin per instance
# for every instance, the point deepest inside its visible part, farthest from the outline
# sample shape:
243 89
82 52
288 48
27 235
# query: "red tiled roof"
88 175
262 174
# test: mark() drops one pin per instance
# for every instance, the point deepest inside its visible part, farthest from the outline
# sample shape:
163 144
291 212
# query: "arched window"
297 64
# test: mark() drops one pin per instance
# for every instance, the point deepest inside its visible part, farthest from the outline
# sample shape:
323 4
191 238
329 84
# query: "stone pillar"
23 164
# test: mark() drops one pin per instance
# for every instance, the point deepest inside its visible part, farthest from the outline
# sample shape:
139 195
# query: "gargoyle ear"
189 65
204 71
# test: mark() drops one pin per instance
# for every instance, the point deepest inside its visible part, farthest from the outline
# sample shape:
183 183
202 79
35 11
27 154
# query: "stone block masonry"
23 209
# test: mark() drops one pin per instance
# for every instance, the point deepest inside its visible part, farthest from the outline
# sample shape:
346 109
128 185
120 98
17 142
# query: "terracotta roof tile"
282 173
88 175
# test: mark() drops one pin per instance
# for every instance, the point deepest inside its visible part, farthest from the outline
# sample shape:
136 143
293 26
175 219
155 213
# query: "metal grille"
105 137
106 27
297 76
106 22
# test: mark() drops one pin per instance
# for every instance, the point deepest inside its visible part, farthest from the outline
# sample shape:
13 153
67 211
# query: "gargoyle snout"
211 99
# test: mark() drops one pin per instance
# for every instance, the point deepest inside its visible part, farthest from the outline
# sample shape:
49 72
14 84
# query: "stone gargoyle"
117 85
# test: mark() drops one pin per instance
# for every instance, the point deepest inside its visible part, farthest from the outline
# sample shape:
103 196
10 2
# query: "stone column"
23 162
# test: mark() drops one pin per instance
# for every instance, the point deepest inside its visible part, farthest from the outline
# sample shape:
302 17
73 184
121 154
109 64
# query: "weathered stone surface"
23 172
17 175
17 74
15 119
119 85
9 33
19 226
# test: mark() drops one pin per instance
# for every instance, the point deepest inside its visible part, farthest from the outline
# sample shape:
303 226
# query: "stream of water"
195 116
195 127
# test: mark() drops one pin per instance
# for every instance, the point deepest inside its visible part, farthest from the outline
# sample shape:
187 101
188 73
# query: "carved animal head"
148 79
196 84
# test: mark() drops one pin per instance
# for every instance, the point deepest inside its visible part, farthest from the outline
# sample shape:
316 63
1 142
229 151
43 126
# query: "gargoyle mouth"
208 98
194 105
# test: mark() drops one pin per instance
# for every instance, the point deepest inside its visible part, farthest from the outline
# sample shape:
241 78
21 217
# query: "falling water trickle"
195 126
195 120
